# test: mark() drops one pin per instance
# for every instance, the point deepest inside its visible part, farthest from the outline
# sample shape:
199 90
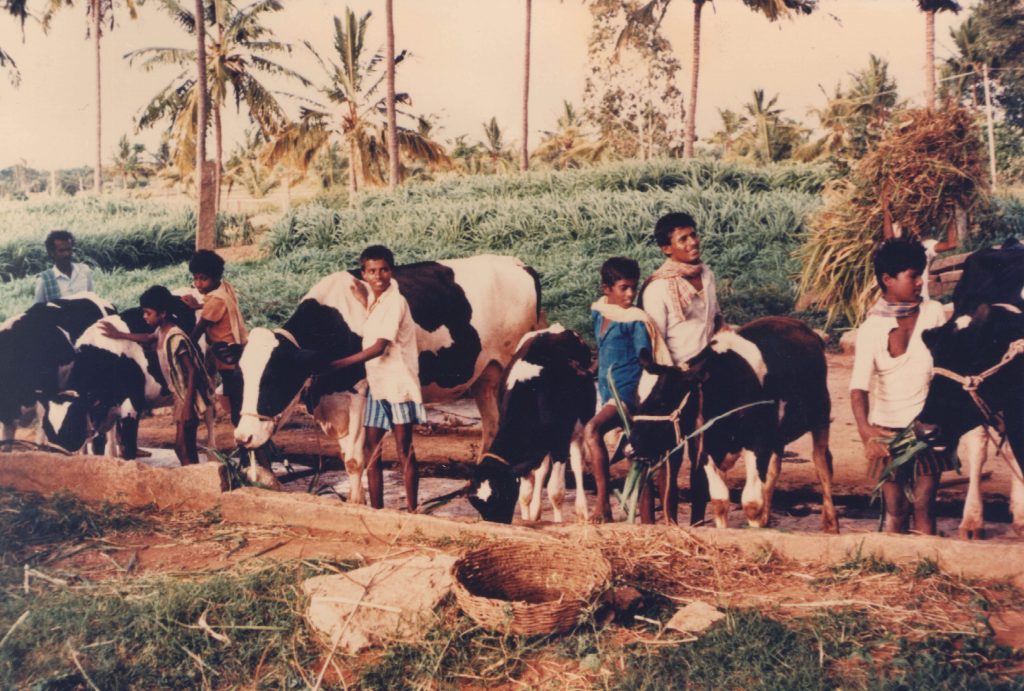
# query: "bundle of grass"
926 170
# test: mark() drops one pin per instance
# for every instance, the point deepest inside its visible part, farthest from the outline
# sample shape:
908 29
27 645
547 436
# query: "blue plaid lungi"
385 415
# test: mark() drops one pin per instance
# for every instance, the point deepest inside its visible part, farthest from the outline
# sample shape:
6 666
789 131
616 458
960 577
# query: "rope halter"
971 384
672 417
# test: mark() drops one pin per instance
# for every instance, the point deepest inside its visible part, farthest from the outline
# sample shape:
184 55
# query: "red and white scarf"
682 291
897 310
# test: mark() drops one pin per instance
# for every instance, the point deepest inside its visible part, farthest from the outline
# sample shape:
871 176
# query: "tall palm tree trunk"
97 22
218 144
691 106
205 229
524 152
393 168
353 177
929 57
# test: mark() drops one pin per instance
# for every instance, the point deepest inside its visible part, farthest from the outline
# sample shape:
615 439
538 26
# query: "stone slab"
97 478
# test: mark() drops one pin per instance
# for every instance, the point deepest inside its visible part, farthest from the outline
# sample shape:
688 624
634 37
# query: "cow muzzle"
254 430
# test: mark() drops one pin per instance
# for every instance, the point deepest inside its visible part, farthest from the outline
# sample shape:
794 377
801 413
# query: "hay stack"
927 165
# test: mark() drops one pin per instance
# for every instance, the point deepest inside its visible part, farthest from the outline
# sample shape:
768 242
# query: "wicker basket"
528 588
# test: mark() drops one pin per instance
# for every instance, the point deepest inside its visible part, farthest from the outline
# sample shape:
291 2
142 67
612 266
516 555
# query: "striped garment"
385 415
49 290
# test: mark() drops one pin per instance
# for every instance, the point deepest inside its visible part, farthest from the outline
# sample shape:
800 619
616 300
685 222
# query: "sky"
466 64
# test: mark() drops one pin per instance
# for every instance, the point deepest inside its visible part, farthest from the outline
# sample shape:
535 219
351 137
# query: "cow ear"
646 361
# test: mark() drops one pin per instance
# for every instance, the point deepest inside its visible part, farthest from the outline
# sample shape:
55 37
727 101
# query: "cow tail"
541 317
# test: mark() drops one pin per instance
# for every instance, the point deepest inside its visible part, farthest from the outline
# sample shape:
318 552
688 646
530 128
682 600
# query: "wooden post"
206 224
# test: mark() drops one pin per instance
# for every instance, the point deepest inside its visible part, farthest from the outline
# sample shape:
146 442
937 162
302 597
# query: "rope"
499 459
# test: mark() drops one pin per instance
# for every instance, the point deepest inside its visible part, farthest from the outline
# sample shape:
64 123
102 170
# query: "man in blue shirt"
65 277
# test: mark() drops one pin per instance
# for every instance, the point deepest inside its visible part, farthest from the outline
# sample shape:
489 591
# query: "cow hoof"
720 510
830 526
974 531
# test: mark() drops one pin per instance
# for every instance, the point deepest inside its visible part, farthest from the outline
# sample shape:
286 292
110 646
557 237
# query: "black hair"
208 263
896 255
54 236
617 269
669 222
158 298
378 253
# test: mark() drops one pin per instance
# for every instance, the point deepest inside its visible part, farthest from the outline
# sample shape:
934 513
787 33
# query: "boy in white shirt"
894 365
392 371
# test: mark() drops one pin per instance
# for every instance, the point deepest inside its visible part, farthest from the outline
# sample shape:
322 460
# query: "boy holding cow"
892 371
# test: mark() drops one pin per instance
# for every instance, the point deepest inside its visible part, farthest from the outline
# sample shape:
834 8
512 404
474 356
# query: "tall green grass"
109 233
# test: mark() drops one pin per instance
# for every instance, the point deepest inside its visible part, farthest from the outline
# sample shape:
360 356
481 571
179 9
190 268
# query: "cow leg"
7 433
99 444
668 488
699 490
753 498
352 445
539 476
556 489
822 459
1017 501
719 492
40 432
973 452
485 392
526 486
576 462
113 443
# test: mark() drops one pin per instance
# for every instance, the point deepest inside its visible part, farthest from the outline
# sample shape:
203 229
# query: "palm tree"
930 7
100 12
393 165
206 228
494 147
353 86
127 161
19 10
524 155
962 72
654 11
569 146
238 57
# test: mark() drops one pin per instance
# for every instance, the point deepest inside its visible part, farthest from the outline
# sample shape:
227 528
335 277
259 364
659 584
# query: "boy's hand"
190 301
874 439
110 331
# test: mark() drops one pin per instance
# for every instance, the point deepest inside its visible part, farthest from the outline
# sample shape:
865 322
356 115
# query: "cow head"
969 345
273 372
494 490
662 391
66 421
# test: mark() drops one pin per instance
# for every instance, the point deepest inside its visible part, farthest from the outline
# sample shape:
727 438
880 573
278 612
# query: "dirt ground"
451 441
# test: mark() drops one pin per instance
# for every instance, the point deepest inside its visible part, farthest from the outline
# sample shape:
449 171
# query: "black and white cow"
547 394
970 346
36 351
775 359
470 314
110 382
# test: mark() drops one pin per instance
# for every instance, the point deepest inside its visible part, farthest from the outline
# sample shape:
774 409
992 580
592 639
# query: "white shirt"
896 386
687 336
80 281
394 376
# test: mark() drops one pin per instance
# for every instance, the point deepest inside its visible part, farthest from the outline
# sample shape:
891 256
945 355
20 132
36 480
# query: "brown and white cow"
469 313
777 360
